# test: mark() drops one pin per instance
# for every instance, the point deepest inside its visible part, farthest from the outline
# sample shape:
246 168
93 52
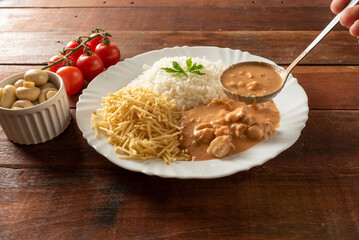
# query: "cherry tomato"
94 42
90 65
74 44
72 78
60 64
110 54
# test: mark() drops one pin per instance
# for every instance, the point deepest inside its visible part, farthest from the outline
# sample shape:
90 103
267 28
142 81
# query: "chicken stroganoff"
192 119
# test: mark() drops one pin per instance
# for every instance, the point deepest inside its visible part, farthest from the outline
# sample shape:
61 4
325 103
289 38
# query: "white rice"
187 91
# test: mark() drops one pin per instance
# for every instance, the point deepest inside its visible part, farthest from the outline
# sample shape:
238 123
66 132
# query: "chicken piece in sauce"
220 146
223 130
205 135
238 129
238 114
225 127
260 131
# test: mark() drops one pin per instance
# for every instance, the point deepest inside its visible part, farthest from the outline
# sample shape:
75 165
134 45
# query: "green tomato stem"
72 50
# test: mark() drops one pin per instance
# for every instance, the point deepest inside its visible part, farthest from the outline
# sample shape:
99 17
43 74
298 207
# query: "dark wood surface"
64 189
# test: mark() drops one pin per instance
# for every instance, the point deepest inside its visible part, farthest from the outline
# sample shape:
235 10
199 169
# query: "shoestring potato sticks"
140 124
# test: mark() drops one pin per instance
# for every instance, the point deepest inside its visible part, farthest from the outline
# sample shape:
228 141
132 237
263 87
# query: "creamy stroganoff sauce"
251 79
225 127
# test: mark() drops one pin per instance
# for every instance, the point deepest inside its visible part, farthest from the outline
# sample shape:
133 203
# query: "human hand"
350 17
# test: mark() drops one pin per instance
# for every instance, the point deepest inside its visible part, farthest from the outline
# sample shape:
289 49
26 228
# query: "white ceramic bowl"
39 123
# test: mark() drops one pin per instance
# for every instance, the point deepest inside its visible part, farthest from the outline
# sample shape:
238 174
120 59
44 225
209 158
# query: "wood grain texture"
64 189
105 204
165 3
282 47
327 144
329 87
166 19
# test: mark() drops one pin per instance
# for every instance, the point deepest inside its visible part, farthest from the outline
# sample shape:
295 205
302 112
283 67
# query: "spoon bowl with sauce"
257 82
252 82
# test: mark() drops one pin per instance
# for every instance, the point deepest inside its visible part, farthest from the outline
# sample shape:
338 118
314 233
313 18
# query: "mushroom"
19 83
8 96
48 85
28 91
47 94
37 76
21 104
50 94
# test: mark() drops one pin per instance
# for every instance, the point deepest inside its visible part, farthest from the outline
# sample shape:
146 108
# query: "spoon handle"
319 38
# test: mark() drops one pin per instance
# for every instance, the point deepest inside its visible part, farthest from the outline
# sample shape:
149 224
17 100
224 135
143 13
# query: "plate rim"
164 175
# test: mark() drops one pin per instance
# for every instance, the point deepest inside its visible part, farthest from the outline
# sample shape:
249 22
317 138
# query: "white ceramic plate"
292 103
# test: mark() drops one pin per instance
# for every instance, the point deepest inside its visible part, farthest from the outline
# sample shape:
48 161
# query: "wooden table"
64 189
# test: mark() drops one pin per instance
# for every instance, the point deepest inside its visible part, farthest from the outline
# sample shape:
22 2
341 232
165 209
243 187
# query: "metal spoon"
283 73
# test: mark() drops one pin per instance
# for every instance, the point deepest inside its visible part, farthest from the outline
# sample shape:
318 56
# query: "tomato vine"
99 33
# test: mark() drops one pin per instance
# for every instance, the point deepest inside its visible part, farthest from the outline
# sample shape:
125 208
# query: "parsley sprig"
191 68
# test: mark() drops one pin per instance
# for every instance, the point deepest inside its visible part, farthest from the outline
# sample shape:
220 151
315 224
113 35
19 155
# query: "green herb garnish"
191 68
